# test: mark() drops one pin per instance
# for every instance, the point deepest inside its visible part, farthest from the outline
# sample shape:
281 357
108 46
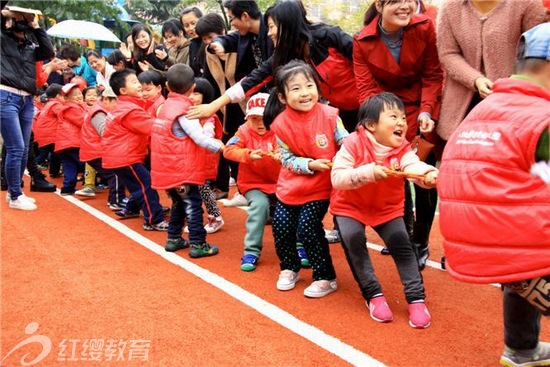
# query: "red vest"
375 203
152 107
90 141
311 135
45 126
495 215
123 147
262 174
71 118
174 160
213 159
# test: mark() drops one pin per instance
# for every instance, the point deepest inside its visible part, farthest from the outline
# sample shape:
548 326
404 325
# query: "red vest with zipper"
308 134
213 159
377 202
90 141
175 160
495 215
71 118
45 126
122 147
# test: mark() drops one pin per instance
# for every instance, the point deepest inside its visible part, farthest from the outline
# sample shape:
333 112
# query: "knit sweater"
471 44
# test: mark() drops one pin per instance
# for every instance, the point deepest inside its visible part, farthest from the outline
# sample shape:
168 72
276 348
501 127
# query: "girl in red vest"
367 194
309 134
204 93
396 52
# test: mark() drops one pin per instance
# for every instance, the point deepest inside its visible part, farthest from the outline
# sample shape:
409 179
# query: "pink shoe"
379 309
419 316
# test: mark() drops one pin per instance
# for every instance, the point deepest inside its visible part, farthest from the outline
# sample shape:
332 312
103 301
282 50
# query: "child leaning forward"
367 177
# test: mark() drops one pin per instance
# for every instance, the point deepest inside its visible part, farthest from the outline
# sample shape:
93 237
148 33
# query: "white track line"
283 318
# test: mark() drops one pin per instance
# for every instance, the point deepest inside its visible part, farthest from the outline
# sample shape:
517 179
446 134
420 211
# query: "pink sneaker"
214 224
379 309
419 316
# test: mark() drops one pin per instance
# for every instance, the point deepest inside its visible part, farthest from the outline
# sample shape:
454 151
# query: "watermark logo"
96 349
41 339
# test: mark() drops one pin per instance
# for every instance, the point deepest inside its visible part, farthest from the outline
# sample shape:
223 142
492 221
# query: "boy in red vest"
178 163
495 202
151 86
45 128
124 142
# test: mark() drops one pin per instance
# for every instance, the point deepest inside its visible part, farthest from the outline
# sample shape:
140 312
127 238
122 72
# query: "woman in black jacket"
17 88
146 49
326 48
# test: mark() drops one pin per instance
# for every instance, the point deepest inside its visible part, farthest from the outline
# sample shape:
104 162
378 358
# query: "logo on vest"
321 140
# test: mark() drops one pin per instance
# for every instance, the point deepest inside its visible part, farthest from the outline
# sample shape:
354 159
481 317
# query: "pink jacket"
469 42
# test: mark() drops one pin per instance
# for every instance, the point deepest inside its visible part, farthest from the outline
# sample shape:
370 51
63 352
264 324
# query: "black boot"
39 183
420 239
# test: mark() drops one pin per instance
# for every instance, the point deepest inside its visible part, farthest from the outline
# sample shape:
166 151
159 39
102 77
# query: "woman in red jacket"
396 52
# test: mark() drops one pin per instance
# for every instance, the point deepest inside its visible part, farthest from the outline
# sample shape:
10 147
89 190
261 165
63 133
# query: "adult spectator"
17 87
79 64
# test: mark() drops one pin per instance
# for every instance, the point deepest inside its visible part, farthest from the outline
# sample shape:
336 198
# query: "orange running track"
84 289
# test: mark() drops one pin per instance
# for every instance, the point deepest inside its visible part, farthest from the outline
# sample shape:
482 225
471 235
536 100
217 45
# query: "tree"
153 11
92 10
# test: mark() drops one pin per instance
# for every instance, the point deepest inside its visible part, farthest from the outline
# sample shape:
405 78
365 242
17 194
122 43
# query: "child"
67 140
178 163
254 146
366 195
45 129
124 142
212 127
494 210
90 95
90 147
151 86
309 134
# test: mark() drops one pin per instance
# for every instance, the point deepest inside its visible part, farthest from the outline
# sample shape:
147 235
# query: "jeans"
71 163
187 206
521 321
16 113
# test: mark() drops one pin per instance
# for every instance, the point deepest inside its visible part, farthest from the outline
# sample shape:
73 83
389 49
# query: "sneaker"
165 210
539 356
304 260
287 280
65 192
32 200
249 262
379 309
419 317
39 183
160 226
101 187
220 194
23 203
237 200
320 288
175 244
385 251
214 224
332 236
232 182
115 206
125 214
85 191
186 229
203 250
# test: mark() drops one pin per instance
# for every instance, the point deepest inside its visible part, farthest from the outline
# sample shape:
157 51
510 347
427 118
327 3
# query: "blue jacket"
86 71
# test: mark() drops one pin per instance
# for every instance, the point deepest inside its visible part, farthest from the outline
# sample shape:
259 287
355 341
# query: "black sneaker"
175 244
125 214
40 184
385 251
160 226
203 250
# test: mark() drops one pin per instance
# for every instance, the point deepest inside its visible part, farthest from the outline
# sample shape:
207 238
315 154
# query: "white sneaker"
23 203
320 288
287 280
232 182
85 191
8 198
237 200
214 224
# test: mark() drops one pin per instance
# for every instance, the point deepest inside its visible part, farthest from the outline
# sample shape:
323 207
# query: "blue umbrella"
82 29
